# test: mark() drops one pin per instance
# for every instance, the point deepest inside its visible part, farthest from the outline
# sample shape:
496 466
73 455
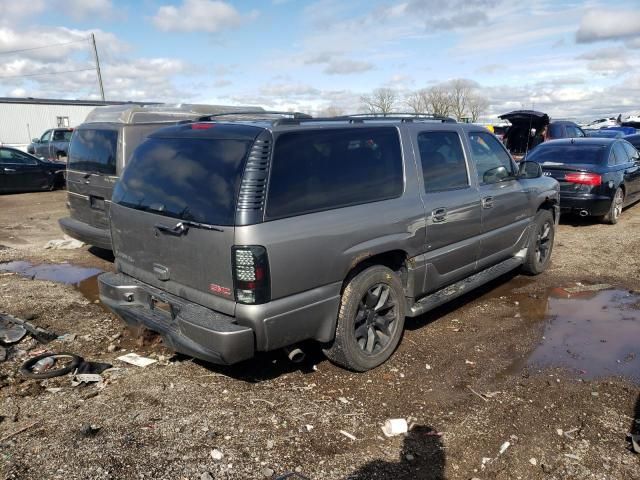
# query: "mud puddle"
592 333
84 279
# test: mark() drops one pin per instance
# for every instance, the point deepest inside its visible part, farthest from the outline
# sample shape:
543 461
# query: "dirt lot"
522 361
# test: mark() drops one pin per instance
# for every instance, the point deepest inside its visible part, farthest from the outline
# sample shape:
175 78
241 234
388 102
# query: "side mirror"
35 140
529 169
495 175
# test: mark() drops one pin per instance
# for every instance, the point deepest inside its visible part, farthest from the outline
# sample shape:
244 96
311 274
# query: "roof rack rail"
407 116
362 117
296 115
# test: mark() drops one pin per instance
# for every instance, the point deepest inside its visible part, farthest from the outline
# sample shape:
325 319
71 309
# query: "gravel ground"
461 376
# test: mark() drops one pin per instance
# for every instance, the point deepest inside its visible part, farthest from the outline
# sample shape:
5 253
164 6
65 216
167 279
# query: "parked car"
237 237
528 130
634 140
22 172
605 133
52 145
623 129
601 123
598 176
99 151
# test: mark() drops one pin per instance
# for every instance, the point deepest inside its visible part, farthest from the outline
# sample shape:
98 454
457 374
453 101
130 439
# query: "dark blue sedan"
21 172
597 176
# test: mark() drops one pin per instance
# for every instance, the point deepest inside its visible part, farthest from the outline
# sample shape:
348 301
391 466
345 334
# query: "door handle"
487 202
9 169
439 214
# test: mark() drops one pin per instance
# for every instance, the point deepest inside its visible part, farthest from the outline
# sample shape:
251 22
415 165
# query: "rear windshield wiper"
182 227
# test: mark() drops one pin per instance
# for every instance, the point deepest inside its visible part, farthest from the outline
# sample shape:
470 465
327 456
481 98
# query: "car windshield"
568 154
185 178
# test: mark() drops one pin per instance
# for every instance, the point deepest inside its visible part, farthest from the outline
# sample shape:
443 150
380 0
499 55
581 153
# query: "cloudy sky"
571 59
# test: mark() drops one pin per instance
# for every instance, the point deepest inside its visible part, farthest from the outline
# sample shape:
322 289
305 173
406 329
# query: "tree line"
457 98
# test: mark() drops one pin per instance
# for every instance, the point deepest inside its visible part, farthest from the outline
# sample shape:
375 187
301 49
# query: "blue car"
624 130
605 133
598 176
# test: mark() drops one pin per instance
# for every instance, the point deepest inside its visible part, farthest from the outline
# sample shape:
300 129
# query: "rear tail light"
584 178
202 126
251 274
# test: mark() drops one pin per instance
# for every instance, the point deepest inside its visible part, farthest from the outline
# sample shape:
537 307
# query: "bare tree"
477 106
417 101
381 100
331 111
439 101
460 89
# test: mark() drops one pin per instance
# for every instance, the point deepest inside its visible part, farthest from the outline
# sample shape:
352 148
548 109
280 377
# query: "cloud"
452 15
606 61
598 25
81 9
13 11
33 72
209 16
346 67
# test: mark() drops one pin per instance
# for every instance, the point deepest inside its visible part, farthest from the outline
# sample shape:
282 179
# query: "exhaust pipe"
584 213
295 354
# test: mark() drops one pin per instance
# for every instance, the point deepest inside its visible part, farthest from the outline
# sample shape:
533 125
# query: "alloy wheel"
543 242
376 319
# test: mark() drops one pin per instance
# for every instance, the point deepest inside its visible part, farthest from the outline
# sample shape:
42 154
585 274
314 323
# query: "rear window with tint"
185 178
590 154
323 169
94 151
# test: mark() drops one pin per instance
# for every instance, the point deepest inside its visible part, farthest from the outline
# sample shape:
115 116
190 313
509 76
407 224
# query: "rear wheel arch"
395 260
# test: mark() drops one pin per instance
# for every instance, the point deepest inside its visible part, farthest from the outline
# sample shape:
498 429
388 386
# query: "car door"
452 202
504 203
22 171
42 147
625 151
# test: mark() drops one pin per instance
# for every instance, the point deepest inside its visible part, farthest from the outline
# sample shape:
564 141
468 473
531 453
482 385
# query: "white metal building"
22 119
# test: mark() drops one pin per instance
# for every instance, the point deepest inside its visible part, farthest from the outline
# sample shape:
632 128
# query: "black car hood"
526 117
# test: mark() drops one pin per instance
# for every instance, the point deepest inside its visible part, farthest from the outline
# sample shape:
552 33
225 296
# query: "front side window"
574 132
631 151
93 150
14 157
318 170
46 136
443 164
621 154
493 163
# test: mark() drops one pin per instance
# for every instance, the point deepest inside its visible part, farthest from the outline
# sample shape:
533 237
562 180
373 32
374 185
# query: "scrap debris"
137 360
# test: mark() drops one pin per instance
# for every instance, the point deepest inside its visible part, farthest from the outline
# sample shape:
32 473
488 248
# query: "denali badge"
546 174
220 290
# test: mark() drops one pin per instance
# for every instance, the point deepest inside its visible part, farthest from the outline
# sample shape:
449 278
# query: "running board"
463 286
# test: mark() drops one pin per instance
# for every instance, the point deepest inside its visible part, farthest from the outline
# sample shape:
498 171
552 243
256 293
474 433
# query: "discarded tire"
27 367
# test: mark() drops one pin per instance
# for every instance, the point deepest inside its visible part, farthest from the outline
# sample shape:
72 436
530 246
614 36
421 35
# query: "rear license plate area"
161 307
96 203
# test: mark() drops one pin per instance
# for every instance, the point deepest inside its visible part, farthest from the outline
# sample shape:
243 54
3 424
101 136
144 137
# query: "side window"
621 154
318 170
59 135
556 131
573 132
631 151
612 158
46 136
493 163
443 165
14 157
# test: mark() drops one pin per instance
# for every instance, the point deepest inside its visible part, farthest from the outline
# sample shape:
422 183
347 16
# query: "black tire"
615 210
540 244
370 321
27 366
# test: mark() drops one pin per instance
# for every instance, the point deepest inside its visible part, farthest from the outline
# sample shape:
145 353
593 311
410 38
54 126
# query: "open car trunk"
519 139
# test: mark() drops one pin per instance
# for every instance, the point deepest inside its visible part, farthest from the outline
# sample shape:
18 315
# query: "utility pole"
95 53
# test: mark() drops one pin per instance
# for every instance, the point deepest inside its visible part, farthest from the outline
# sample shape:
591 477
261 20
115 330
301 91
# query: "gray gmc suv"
233 237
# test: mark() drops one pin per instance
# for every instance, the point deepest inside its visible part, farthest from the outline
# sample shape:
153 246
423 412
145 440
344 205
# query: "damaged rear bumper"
185 327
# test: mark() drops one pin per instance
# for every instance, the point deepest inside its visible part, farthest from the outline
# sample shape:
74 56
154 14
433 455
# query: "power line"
8 52
48 73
